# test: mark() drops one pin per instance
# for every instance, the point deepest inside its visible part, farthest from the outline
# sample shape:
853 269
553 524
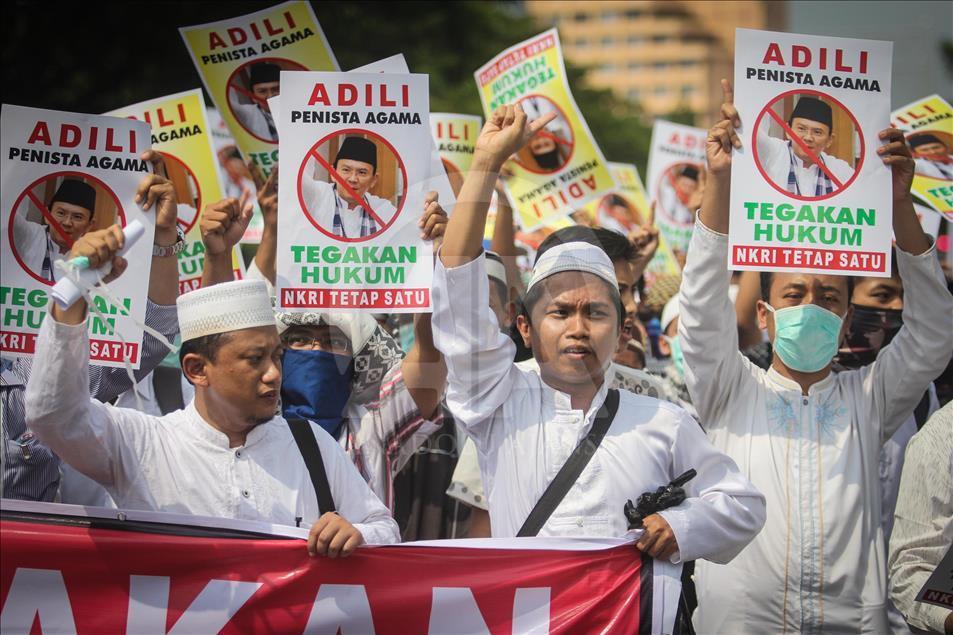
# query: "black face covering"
870 330
548 160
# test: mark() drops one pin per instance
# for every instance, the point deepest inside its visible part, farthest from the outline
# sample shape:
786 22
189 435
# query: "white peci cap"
573 256
670 312
220 308
494 267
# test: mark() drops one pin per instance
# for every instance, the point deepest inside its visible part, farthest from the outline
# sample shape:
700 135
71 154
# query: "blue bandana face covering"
316 385
806 336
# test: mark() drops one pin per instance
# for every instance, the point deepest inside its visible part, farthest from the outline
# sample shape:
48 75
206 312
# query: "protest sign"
455 136
438 180
240 59
63 175
181 133
234 173
938 588
676 170
627 209
808 190
561 168
928 126
138 577
369 256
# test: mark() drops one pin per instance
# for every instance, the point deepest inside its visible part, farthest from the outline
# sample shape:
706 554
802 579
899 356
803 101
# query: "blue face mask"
806 336
316 385
678 359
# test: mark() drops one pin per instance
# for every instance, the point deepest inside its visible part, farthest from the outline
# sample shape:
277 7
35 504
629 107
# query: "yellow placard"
455 136
561 168
239 60
928 126
181 133
627 209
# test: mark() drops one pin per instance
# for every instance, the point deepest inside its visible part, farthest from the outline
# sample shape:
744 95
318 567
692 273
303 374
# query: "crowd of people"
804 403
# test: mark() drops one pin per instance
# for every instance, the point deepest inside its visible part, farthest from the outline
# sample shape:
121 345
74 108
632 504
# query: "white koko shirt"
179 463
524 431
819 564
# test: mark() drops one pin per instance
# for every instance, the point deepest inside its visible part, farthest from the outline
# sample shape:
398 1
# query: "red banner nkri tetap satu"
77 579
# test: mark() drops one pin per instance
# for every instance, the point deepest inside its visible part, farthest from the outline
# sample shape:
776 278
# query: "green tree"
97 57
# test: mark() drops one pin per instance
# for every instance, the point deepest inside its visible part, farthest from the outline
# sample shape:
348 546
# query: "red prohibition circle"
313 150
16 205
572 135
231 82
186 227
658 187
757 159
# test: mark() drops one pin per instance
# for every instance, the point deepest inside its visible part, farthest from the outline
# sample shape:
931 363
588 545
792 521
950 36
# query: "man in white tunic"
526 423
807 437
352 211
793 164
226 454
932 156
256 116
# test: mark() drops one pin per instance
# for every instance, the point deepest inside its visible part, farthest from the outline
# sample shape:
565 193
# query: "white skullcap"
495 268
220 308
573 256
670 312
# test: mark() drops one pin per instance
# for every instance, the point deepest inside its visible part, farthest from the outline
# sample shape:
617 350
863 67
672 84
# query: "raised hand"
722 137
156 189
895 153
268 199
505 133
433 222
99 248
224 223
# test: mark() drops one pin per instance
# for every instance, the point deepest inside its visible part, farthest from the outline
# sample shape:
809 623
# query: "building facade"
666 55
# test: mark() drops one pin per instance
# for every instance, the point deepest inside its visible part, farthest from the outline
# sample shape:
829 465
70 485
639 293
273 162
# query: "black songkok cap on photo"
263 73
815 110
358 149
690 171
76 193
923 139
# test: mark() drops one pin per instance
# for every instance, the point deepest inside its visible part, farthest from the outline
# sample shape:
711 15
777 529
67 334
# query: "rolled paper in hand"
66 292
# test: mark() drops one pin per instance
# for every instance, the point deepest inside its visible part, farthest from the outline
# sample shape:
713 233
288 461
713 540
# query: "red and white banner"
57 578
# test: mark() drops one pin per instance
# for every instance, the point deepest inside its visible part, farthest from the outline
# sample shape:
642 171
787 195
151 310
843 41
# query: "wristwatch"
159 251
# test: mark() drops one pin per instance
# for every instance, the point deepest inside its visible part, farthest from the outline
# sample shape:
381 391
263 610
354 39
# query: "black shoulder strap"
167 384
570 471
922 412
308 446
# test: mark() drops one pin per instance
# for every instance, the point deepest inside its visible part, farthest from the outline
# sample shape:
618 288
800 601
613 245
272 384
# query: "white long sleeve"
179 463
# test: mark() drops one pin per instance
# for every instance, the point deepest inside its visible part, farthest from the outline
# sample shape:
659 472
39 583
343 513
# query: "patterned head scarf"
375 351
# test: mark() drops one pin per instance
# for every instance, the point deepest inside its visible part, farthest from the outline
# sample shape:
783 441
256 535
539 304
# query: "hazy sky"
915 28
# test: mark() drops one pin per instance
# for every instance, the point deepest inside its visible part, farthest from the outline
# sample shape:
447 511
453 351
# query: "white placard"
808 189
51 161
369 256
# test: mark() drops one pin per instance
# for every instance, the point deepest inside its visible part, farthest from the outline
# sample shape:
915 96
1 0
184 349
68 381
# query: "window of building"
634 66
609 16
607 67
660 66
660 37
634 94
689 90
581 42
635 39
580 17
633 14
661 91
608 41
